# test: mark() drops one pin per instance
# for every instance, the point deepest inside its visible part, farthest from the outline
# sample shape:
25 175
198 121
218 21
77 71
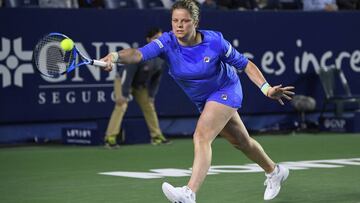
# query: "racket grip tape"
98 63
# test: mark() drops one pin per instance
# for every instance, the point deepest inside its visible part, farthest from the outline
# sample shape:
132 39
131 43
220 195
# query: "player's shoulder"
164 40
167 37
211 35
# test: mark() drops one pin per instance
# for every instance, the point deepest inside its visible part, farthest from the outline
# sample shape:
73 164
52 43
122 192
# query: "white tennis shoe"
273 182
178 194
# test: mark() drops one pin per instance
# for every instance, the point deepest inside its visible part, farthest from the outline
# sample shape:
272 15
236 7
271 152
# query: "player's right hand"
109 62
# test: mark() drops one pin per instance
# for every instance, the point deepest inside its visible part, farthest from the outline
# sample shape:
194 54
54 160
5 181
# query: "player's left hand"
278 92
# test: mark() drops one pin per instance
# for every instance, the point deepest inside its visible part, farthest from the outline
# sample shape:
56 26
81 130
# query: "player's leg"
212 120
236 133
147 106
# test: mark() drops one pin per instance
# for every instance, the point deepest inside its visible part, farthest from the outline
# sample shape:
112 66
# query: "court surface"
55 173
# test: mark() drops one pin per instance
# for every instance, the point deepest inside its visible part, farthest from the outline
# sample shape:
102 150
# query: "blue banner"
288 47
81 136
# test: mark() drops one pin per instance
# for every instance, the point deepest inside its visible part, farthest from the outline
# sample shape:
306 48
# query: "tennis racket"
52 61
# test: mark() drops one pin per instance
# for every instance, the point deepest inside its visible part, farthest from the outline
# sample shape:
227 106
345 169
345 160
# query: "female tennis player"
201 62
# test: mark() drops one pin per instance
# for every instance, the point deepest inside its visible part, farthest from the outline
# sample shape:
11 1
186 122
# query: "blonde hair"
191 6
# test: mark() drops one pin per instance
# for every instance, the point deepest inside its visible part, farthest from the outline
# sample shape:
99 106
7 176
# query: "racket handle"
99 63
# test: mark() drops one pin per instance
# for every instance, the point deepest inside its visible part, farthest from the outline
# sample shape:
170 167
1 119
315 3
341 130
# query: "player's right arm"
125 56
132 56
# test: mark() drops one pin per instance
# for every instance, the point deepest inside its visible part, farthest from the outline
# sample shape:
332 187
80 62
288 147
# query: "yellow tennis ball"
67 44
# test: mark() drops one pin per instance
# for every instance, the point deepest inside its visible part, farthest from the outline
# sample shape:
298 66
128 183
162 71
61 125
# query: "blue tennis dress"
205 71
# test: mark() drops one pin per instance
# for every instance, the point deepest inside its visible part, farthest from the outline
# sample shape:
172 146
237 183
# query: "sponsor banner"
346 123
81 136
288 47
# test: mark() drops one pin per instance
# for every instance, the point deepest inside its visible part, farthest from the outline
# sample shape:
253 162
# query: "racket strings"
50 59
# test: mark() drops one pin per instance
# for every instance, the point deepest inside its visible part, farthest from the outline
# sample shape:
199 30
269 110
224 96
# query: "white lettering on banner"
272 62
326 60
325 57
72 97
42 98
280 61
78 133
86 96
101 96
268 60
335 123
113 96
77 141
247 168
355 59
55 98
249 55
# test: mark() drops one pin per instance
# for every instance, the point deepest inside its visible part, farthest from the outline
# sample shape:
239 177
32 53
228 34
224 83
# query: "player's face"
183 25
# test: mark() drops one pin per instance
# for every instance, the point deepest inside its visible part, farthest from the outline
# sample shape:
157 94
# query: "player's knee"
200 138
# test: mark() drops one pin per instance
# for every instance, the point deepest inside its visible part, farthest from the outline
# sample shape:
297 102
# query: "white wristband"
114 57
265 88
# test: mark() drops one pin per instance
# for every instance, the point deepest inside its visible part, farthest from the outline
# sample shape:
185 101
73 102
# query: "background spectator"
320 5
238 4
91 3
58 4
348 4
209 4
141 81
283 5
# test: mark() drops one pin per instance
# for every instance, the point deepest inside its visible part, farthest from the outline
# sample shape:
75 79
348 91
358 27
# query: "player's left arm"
277 92
231 56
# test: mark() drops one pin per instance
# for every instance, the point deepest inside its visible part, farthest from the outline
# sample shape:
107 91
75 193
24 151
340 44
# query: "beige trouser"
146 104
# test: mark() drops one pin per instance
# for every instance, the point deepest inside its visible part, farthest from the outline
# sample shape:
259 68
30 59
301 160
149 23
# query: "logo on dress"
206 59
224 97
